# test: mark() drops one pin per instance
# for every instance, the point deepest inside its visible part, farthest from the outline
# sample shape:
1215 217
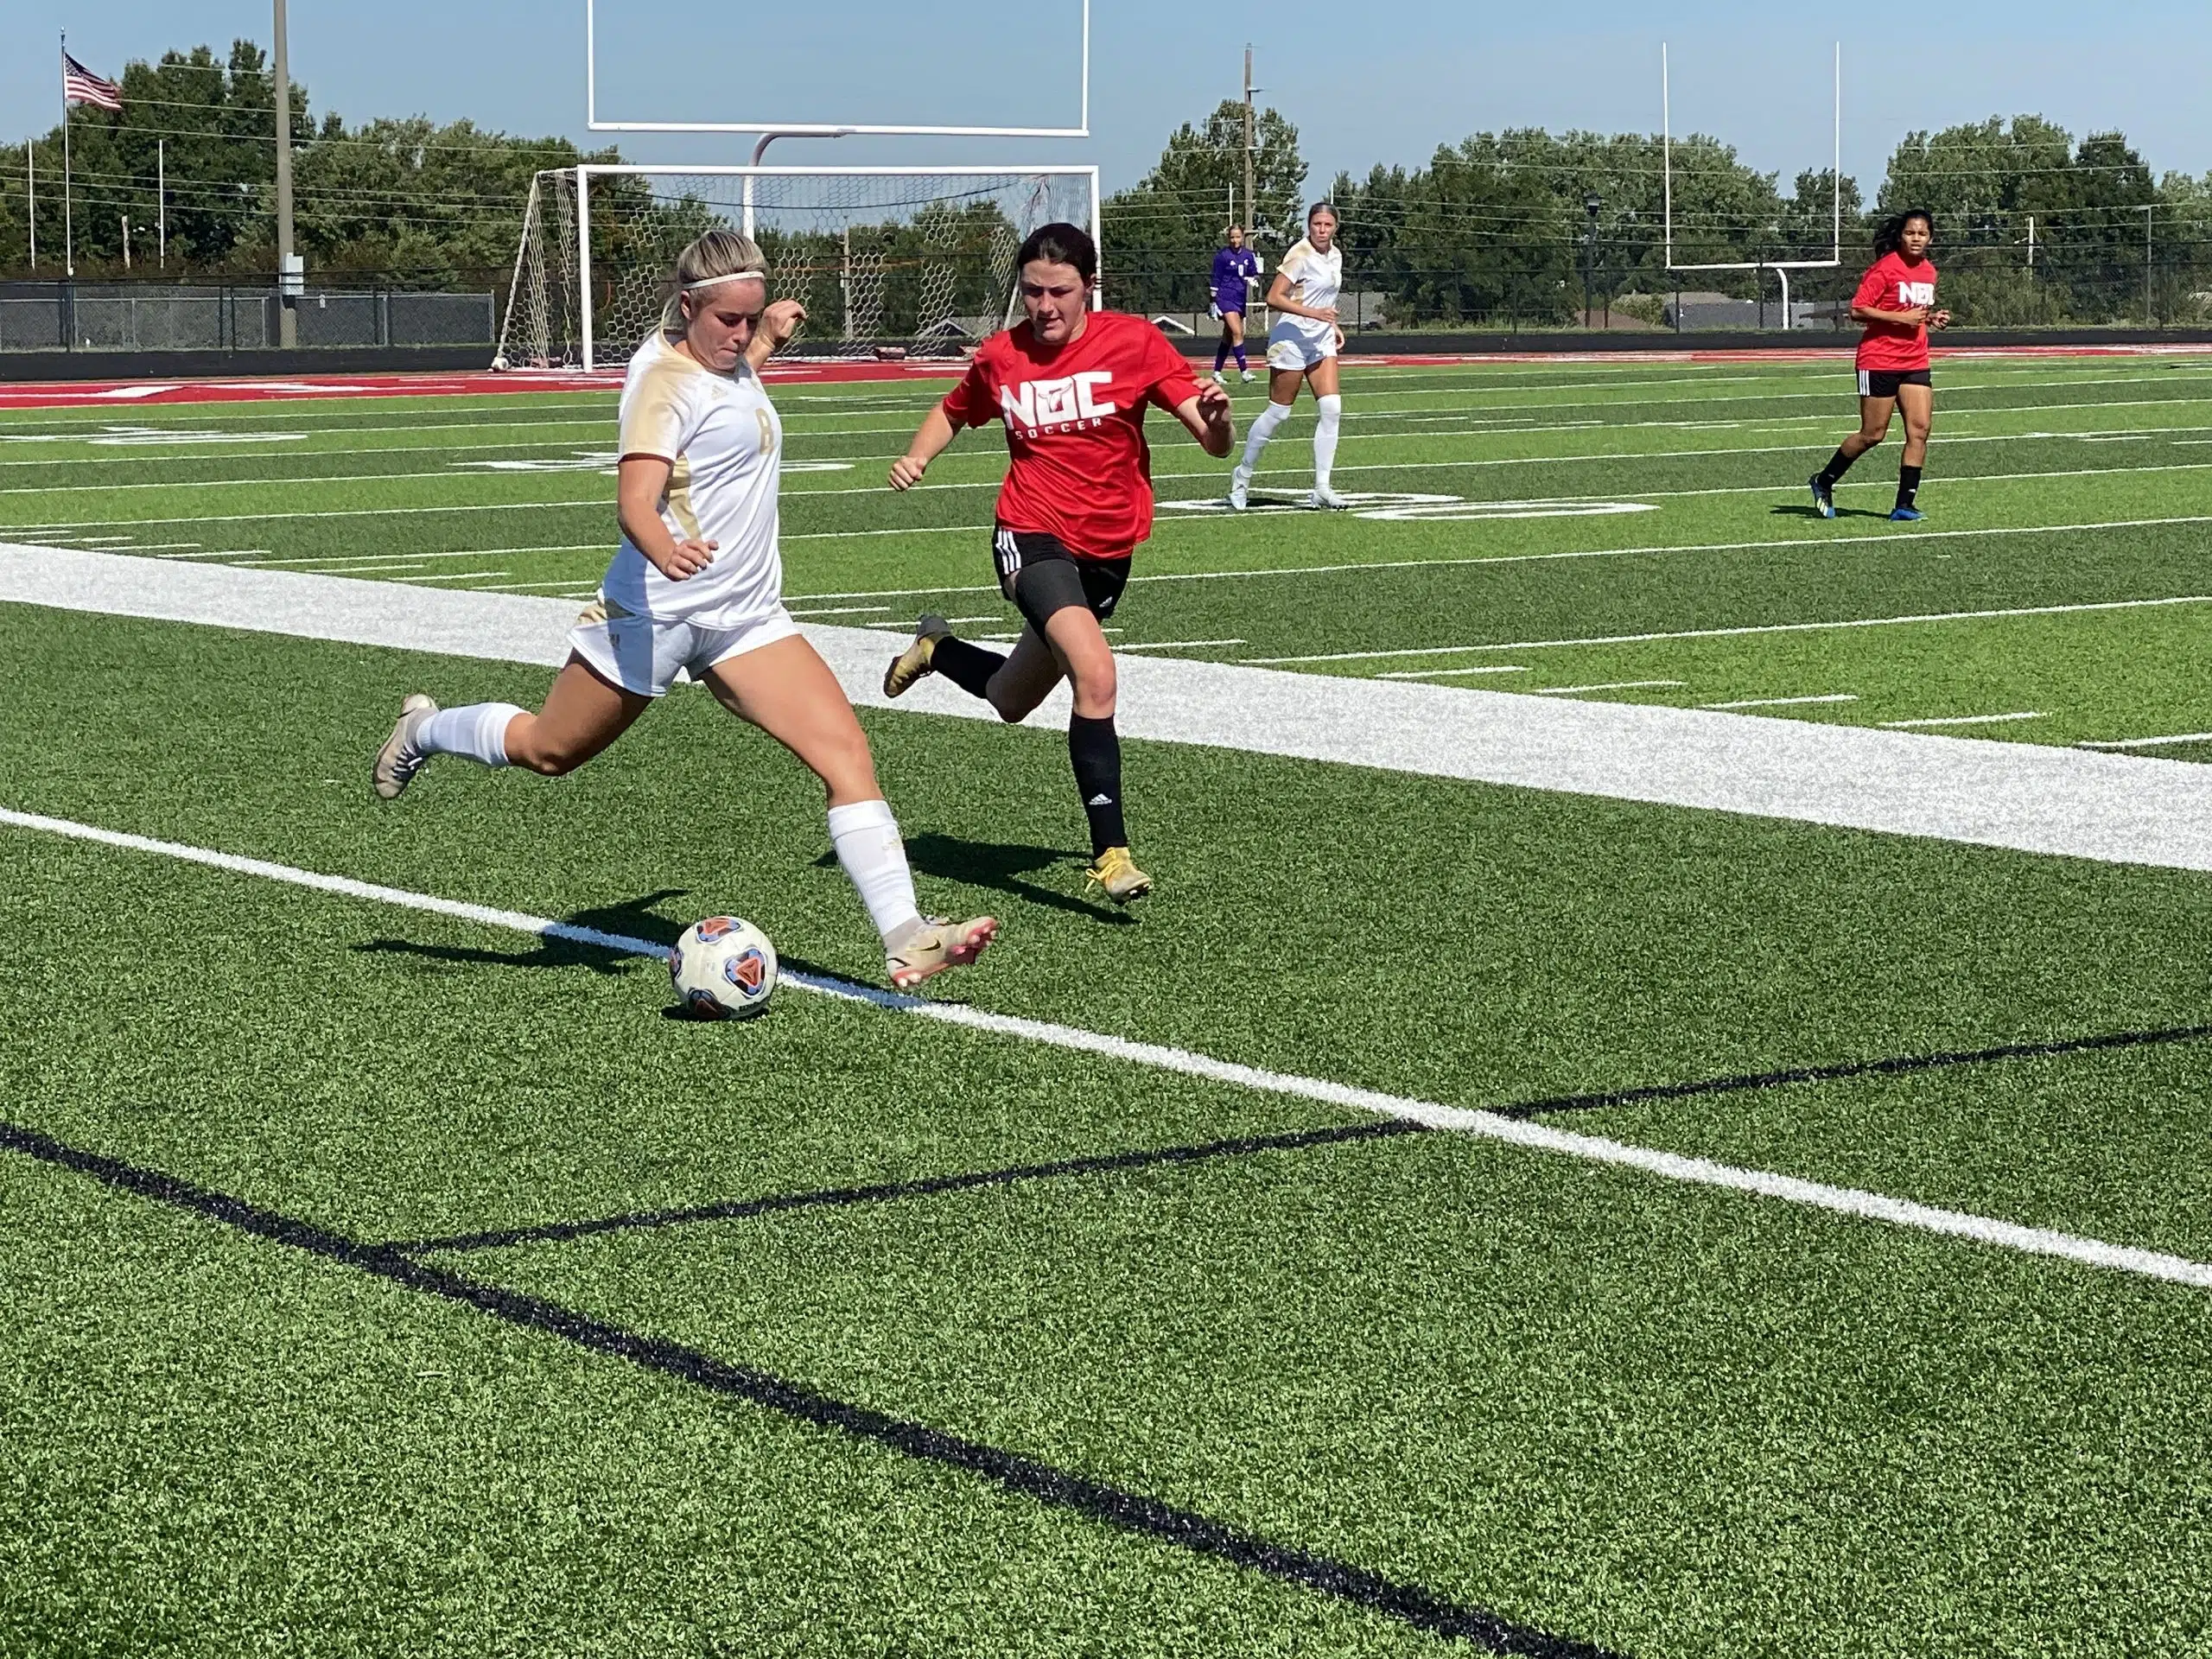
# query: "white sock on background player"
476 732
1271 417
1331 407
867 838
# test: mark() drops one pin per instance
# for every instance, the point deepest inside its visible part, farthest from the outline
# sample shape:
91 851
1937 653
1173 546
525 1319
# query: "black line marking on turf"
737 1208
1890 1066
1131 1512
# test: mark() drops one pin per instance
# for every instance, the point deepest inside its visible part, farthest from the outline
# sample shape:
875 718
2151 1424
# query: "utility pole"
2150 318
162 199
30 184
1591 204
1251 213
290 278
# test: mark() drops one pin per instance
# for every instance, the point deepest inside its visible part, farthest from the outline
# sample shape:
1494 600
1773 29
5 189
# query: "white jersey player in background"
1303 340
697 586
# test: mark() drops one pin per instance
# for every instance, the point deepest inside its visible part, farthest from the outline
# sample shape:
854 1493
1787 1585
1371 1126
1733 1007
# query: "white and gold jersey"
724 443
1316 279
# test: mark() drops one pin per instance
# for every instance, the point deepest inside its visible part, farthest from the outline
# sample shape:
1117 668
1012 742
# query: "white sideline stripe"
2149 742
1668 1166
1964 719
2114 808
1783 702
1757 627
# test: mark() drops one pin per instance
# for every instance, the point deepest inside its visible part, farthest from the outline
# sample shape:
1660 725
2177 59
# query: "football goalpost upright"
888 261
1781 268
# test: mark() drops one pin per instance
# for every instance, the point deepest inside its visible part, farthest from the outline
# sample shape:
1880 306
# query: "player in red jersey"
1072 385
1897 302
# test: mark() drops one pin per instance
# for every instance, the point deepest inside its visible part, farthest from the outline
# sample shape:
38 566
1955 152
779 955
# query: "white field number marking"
1520 1132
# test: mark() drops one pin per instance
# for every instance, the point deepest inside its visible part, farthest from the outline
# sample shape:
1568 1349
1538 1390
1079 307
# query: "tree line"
1529 226
1522 225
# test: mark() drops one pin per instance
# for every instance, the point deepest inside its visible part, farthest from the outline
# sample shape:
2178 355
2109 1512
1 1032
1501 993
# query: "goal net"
888 261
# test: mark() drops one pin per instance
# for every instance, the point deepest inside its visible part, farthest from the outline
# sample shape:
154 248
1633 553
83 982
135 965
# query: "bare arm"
1279 299
1207 418
640 482
937 432
778 323
1908 319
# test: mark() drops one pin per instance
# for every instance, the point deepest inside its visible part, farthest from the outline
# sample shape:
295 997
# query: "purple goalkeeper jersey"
1233 268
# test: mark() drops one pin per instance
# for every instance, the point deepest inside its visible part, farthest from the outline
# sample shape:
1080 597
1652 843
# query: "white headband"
748 275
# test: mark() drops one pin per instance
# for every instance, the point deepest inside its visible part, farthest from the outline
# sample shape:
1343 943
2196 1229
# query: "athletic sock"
1838 464
1332 407
1094 750
1243 367
866 836
1908 485
969 667
478 732
1263 429
1220 355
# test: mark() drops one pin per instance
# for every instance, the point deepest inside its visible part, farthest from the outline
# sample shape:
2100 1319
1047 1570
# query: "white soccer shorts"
1296 352
642 656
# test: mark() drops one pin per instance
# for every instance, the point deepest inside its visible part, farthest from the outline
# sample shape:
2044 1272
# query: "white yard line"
1667 1166
1756 627
1451 673
2149 742
1602 685
1783 702
1963 720
1175 644
2116 807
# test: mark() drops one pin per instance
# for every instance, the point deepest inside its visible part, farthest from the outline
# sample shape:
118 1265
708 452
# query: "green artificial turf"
1661 1418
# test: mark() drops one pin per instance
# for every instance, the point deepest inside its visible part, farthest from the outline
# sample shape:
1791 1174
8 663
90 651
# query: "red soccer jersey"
1075 426
1892 284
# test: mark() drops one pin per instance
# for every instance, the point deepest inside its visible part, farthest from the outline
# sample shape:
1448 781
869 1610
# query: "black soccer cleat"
1823 496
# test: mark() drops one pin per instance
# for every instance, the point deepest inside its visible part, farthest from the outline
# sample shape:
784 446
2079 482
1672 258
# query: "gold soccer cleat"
937 945
913 663
399 761
1115 873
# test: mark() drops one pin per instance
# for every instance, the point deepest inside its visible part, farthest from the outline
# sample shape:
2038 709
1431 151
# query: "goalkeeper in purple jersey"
1235 268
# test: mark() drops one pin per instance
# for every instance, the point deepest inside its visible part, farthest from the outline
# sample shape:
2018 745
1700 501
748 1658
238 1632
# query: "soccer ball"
723 969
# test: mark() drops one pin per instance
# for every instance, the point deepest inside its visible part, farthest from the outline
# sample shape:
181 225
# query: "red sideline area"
118 395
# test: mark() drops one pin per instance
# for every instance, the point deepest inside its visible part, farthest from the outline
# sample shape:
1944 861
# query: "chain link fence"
224 317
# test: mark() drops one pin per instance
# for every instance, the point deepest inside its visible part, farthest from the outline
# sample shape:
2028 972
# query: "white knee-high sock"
1263 429
866 836
1332 409
477 731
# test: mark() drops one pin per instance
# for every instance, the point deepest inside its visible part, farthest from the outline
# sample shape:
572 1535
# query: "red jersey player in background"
1071 386
1897 302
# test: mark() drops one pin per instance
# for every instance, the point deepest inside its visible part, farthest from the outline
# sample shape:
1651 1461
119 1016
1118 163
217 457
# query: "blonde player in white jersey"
1303 341
697 586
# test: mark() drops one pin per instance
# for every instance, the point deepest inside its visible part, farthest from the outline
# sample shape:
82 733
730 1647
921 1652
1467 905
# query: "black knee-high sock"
1908 485
1095 750
1838 464
1220 353
969 667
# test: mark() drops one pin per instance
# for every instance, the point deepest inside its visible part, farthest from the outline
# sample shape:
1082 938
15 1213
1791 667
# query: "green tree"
1161 232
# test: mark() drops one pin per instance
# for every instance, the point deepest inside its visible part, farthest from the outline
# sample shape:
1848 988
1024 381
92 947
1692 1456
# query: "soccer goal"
888 261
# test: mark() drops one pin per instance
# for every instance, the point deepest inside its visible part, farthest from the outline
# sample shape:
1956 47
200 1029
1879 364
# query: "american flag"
80 85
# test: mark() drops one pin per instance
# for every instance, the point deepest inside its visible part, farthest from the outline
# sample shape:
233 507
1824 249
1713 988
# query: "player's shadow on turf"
1002 865
1812 512
632 918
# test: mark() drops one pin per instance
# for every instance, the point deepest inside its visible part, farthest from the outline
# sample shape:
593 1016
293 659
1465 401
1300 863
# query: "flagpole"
68 229
30 185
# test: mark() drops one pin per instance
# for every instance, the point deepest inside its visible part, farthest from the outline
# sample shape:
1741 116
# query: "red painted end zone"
120 395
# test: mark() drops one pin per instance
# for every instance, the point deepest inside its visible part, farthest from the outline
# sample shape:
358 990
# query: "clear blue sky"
1383 83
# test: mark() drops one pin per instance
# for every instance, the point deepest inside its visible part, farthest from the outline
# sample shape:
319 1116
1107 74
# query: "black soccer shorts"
1039 575
1883 383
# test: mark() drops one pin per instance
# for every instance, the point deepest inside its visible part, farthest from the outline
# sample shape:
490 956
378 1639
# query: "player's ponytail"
1889 235
721 255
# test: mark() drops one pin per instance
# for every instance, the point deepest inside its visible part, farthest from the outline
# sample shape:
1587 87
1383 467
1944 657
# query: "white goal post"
889 261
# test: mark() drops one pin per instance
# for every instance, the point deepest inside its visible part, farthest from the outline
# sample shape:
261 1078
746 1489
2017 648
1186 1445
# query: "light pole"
2150 318
1591 204
291 280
